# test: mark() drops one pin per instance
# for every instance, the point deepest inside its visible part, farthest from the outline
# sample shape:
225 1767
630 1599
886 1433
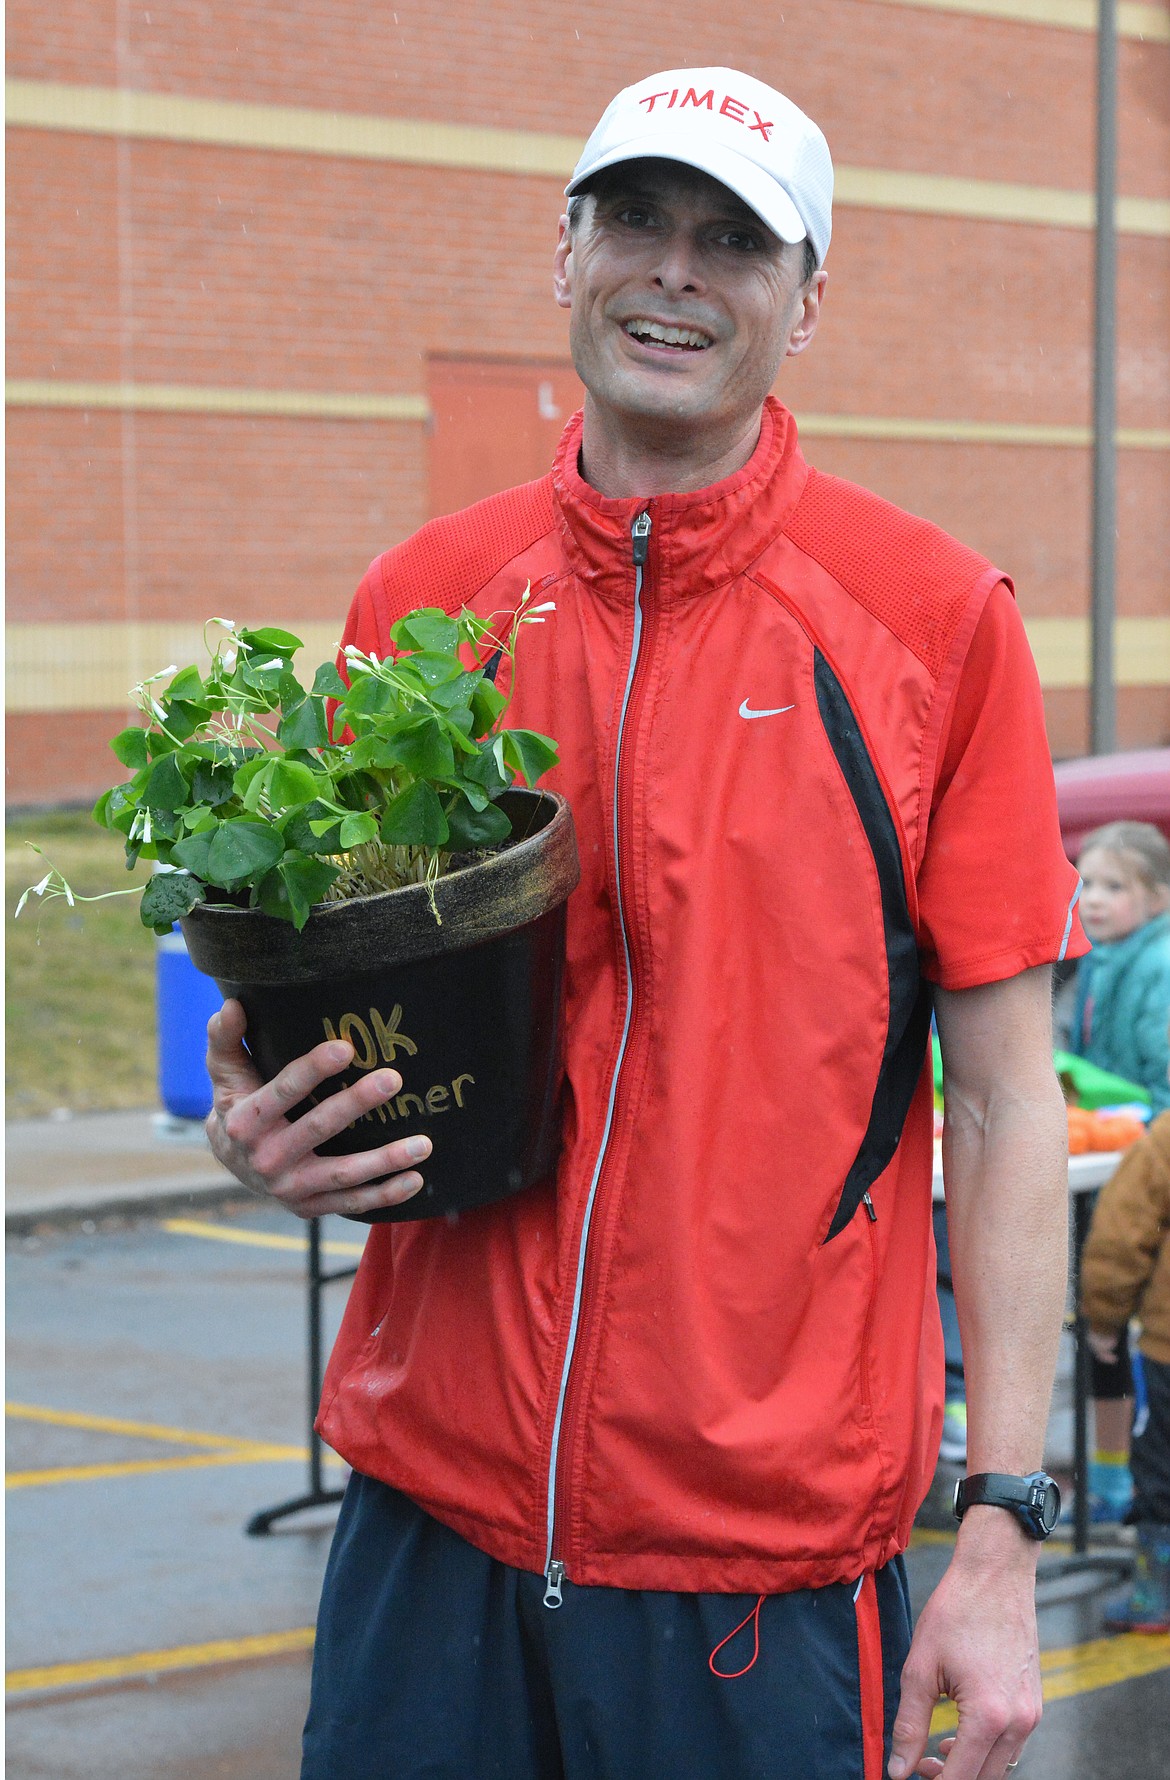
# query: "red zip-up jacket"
803 745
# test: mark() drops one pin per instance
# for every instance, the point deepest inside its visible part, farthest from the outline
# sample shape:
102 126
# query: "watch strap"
1033 1500
997 1489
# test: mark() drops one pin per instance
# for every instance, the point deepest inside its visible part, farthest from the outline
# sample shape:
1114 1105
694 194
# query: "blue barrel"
186 1000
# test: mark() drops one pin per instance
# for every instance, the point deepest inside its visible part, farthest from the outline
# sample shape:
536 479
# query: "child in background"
1125 1271
1123 985
1119 1021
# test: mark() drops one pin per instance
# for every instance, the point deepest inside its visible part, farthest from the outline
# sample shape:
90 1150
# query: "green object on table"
1092 1087
1083 1082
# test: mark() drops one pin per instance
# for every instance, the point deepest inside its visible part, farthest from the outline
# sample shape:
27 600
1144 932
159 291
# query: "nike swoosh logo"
744 711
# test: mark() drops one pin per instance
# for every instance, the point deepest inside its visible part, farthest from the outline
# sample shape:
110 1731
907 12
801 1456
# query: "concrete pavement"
157 1400
90 1164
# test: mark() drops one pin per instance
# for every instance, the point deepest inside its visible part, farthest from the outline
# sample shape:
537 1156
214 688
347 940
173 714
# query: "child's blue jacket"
1125 984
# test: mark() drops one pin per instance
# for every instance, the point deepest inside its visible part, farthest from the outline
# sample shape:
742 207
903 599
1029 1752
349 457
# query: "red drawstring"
754 1616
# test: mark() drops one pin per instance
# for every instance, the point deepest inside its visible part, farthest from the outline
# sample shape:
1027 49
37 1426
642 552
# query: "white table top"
1085 1173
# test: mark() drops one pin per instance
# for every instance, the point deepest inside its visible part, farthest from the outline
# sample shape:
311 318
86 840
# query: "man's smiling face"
683 304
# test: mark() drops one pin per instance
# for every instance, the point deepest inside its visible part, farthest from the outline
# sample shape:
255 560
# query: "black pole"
1102 690
316 1467
1082 1385
1108 1566
316 1496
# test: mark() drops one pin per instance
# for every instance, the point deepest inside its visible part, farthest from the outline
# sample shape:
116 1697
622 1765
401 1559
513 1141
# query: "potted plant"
370 861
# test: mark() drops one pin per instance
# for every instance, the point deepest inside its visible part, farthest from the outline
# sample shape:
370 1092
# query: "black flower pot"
466 1009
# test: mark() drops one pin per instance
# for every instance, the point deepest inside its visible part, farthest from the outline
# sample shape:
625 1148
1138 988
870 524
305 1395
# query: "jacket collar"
1119 954
698 541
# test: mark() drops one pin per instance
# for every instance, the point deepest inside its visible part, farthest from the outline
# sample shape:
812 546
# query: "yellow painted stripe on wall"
91 667
971 432
989 200
187 398
1150 23
175 398
87 667
235 124
1061 648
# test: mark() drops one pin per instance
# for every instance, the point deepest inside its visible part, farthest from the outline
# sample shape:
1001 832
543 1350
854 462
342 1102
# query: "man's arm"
251 1136
1005 1150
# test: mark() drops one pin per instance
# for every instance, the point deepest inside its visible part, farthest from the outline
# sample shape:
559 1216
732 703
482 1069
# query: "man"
636 1454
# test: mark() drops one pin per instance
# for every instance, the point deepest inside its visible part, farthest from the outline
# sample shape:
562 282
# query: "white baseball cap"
743 133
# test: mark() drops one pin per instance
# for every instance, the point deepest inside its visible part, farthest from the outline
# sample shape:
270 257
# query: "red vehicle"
1104 788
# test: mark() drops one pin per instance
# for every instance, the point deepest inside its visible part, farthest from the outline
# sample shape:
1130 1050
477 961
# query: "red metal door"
494 423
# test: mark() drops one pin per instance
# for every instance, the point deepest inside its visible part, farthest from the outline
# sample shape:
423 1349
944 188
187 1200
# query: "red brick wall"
170 263
904 87
237 514
63 761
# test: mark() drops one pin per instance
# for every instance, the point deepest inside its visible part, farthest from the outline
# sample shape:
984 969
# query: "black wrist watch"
1034 1500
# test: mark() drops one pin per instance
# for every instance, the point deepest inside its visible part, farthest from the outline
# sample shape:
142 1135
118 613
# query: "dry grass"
80 981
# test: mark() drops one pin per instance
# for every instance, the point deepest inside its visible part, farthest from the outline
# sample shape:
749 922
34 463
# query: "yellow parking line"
152 1662
1082 1668
1103 1662
255 1238
108 1424
245 1455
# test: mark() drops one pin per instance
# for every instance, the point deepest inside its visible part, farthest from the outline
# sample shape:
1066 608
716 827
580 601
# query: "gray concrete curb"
144 1199
116 1164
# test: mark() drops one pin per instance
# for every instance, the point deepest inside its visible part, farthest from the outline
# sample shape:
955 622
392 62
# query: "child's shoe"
1146 1605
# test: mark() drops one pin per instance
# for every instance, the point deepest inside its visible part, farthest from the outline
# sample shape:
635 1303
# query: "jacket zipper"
554 1569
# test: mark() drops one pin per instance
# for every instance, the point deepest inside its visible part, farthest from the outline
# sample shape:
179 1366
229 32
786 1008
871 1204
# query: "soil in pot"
467 1011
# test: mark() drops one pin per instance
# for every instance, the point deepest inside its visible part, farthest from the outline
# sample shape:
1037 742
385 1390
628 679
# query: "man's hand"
976 1643
251 1136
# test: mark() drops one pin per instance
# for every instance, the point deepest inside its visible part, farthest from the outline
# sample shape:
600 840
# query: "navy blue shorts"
433 1660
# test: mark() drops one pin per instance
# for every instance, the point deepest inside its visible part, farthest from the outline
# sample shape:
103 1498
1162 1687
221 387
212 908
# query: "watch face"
1044 1502
1050 1507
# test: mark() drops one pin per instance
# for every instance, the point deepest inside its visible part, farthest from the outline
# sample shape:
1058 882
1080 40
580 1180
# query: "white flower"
548 606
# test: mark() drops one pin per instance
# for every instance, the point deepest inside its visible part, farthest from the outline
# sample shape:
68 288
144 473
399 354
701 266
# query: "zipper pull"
554 1576
870 1213
640 532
